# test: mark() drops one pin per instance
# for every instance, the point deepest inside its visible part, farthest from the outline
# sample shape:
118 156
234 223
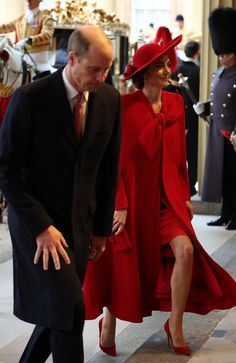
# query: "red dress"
132 278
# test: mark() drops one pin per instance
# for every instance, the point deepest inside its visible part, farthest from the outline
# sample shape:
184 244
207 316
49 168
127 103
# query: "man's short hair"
78 43
191 48
179 17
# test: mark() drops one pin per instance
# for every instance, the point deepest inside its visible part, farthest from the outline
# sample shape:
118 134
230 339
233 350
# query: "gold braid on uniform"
5 91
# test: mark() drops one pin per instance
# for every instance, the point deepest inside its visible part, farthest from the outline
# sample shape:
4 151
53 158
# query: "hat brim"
172 44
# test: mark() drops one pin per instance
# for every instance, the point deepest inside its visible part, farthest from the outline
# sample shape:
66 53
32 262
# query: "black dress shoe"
218 222
230 226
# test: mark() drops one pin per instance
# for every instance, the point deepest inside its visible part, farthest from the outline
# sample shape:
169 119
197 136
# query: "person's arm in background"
8 28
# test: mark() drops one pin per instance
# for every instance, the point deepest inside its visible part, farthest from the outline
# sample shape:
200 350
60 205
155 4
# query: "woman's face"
158 73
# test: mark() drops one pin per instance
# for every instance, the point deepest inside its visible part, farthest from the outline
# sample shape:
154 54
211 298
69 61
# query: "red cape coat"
132 278
3 106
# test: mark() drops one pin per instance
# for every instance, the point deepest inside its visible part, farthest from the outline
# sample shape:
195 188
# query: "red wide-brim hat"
148 54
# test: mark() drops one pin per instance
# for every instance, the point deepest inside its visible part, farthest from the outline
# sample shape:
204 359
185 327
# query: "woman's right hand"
119 220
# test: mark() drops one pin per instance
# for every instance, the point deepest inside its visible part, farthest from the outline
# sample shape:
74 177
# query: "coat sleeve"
183 164
107 181
15 151
121 196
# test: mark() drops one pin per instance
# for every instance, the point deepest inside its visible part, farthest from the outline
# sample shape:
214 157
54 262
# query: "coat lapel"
62 113
95 116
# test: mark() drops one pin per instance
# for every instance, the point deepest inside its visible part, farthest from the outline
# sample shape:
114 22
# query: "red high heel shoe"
108 350
179 350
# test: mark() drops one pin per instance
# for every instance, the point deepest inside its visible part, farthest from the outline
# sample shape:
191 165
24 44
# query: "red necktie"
79 114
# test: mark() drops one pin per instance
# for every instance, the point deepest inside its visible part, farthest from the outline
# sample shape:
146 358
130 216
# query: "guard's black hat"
222 25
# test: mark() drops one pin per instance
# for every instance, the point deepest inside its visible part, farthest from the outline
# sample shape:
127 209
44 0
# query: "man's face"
227 60
32 4
89 72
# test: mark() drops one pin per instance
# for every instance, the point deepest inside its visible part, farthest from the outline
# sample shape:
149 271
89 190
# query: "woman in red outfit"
153 261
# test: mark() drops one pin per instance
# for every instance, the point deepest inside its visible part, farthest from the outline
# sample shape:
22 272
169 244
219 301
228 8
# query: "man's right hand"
199 108
51 242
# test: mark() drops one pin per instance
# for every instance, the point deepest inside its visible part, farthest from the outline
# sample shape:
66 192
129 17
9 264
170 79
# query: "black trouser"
229 183
65 346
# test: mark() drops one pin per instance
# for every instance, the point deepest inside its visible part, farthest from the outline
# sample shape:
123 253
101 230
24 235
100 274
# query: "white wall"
10 9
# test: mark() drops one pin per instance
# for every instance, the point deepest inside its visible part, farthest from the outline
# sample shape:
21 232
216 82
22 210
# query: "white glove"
21 44
199 108
233 140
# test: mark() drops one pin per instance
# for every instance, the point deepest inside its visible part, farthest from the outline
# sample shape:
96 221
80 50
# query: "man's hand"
98 246
119 220
189 208
199 108
51 241
21 44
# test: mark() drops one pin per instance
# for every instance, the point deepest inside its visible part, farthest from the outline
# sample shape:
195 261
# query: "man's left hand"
98 246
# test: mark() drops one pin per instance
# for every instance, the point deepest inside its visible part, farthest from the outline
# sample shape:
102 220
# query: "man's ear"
72 58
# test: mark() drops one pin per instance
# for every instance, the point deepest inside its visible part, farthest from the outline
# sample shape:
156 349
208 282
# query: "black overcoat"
48 177
222 109
192 71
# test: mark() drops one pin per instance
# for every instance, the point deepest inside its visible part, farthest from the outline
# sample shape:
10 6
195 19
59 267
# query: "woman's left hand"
189 208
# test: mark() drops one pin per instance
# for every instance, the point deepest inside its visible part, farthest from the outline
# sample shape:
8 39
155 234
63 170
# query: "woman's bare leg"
180 284
108 329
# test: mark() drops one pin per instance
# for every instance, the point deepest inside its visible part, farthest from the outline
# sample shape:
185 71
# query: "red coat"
3 106
132 278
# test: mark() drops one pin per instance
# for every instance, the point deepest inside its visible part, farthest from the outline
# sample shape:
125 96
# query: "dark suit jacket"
49 178
192 71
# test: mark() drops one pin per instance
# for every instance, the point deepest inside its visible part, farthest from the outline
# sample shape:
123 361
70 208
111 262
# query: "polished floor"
212 337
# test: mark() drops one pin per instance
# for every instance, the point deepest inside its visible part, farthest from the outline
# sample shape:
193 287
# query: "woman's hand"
189 208
119 220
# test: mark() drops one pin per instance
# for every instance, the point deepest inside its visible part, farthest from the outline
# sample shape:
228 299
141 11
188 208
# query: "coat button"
211 103
234 85
224 105
222 115
211 114
229 95
211 93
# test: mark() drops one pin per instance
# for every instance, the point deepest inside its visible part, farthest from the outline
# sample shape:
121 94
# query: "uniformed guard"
220 167
34 31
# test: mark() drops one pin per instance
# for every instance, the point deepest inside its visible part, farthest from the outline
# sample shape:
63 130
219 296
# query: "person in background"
150 33
220 166
33 31
59 151
189 68
153 260
178 29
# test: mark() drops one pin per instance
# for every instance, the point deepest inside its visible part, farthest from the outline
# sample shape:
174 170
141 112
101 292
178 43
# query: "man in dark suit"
189 68
61 189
